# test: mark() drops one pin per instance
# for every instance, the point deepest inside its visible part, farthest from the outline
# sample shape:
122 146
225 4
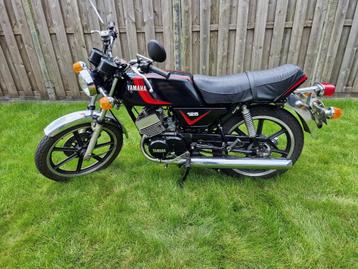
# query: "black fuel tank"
178 90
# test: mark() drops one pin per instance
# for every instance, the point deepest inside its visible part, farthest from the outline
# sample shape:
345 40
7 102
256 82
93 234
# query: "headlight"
86 83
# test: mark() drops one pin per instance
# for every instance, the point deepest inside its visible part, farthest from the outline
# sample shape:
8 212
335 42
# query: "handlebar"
159 71
108 37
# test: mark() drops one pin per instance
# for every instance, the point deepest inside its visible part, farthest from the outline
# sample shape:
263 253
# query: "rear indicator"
334 113
337 113
329 89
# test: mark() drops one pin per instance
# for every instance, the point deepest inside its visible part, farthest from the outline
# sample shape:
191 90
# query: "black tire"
277 113
44 151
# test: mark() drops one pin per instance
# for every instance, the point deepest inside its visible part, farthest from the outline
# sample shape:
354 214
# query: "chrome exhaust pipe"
241 163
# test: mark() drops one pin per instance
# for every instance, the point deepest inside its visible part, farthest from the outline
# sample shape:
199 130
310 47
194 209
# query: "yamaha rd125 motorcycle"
249 124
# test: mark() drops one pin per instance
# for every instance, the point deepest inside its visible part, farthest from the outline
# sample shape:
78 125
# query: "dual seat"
256 86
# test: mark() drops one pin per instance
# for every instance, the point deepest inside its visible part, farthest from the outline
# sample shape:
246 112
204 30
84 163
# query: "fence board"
315 37
41 39
168 32
204 36
14 50
64 48
297 31
277 35
47 48
7 80
335 35
186 35
148 16
241 31
326 36
27 39
128 8
349 52
259 34
223 37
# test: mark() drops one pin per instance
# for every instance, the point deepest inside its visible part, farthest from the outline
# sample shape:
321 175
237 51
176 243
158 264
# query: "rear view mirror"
156 51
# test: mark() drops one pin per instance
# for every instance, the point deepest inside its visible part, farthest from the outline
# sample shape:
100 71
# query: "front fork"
98 125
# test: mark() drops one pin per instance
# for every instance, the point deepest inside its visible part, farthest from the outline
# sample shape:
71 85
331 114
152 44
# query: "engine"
159 137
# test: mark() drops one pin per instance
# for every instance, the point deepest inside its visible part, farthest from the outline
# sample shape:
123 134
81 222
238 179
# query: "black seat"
261 86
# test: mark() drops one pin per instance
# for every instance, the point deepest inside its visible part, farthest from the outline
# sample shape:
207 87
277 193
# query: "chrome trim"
140 56
300 107
310 109
86 83
147 83
241 163
75 118
223 163
98 127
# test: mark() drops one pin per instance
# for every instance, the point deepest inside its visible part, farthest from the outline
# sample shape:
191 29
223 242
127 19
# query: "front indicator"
334 113
106 103
77 67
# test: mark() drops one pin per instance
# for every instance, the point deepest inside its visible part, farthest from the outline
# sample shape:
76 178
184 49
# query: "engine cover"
158 148
165 147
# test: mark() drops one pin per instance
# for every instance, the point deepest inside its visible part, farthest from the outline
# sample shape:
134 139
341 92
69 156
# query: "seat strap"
252 85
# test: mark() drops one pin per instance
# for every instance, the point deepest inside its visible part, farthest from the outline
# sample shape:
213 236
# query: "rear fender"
304 114
75 118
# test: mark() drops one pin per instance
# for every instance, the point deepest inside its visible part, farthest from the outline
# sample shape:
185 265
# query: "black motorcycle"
248 124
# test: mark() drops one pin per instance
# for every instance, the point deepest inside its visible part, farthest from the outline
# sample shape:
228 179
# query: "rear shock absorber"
248 121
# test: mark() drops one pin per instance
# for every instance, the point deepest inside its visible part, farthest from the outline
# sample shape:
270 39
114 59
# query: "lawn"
133 215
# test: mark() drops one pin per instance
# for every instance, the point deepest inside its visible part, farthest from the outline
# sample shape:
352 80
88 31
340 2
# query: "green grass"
133 215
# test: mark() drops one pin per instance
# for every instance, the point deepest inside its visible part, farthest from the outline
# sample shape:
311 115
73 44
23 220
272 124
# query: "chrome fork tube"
98 127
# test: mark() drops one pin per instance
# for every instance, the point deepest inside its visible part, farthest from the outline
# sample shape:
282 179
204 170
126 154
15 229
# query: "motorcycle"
249 124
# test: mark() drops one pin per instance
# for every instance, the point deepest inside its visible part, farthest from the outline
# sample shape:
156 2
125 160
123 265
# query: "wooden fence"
40 39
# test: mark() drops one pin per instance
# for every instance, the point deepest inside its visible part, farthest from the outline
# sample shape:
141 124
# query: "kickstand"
185 175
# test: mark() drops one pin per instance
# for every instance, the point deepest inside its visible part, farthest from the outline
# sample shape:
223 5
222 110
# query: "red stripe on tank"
145 95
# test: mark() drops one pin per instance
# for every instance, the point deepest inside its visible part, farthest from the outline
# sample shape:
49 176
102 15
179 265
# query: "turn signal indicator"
106 103
336 113
78 67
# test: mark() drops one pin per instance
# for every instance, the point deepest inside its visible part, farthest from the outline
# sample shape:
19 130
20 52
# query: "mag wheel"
281 137
61 157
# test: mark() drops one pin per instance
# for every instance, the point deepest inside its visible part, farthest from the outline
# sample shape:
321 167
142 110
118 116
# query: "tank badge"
136 88
192 114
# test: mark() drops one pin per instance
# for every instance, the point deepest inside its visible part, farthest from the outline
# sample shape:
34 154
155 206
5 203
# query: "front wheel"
280 134
61 157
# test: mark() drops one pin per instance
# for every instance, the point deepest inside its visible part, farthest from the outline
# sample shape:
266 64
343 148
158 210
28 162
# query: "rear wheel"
61 157
280 134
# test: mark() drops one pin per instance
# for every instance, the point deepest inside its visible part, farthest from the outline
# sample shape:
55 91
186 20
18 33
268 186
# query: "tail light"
329 89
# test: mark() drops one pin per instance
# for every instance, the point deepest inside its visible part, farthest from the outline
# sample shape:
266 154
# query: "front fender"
75 118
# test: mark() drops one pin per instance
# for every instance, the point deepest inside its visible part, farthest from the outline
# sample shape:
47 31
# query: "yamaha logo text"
135 88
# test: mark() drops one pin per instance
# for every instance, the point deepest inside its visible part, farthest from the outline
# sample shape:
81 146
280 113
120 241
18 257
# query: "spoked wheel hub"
72 142
261 150
278 136
62 156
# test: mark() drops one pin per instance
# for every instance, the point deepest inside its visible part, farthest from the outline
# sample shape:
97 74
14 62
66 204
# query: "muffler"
241 163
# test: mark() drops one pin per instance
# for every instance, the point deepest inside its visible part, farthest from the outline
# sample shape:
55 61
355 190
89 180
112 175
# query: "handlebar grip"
159 71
